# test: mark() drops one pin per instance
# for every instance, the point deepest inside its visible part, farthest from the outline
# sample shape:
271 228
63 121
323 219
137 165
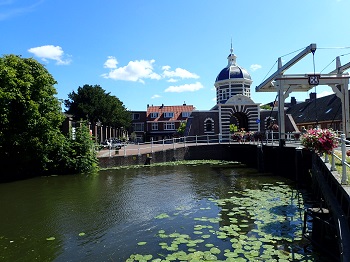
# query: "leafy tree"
30 115
182 127
77 154
31 141
133 137
94 104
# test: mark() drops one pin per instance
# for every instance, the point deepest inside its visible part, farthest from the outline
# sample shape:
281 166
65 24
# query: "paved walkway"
134 149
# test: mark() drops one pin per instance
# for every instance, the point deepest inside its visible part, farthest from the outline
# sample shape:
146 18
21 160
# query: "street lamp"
98 123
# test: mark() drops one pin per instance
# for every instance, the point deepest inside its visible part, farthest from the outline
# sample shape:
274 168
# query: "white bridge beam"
285 84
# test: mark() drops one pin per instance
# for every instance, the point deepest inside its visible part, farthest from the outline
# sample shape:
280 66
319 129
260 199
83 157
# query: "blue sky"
170 52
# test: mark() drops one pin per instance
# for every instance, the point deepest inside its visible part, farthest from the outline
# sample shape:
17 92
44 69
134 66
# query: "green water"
154 213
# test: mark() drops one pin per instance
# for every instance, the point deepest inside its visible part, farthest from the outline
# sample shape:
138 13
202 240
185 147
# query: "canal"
213 211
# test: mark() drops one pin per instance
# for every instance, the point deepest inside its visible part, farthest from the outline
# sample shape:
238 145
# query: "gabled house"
324 112
163 121
138 122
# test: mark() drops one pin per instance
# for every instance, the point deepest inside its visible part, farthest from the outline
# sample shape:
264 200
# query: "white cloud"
184 88
155 96
11 8
140 70
166 68
111 62
50 52
134 71
178 72
255 67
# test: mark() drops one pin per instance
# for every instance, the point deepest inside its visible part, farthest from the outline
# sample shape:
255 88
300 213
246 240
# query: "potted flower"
320 140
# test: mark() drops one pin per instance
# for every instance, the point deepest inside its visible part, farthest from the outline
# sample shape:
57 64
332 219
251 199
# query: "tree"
31 141
94 104
78 155
30 116
182 127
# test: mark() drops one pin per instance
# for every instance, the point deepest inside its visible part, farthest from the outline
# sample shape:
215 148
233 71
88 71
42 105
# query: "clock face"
314 80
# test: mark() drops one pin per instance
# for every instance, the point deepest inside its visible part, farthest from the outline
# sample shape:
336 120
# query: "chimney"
293 101
312 96
184 103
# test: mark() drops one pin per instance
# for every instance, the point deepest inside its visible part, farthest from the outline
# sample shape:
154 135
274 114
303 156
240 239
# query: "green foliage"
77 154
30 115
267 107
94 104
233 128
31 141
182 127
133 137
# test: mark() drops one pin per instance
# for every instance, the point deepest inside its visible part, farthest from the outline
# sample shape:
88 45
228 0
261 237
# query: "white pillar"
220 125
281 121
343 94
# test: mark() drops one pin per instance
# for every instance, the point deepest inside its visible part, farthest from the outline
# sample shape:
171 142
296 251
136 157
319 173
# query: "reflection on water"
103 217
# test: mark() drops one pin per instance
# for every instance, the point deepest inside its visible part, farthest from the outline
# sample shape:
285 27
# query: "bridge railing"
175 142
341 150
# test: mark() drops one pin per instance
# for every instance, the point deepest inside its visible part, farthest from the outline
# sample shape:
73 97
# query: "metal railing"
270 138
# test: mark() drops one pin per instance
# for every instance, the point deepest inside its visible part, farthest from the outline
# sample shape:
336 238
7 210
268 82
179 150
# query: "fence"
344 164
270 138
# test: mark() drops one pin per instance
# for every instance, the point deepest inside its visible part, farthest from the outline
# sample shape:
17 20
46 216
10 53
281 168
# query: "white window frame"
169 126
140 125
205 125
186 114
168 114
154 126
154 115
135 114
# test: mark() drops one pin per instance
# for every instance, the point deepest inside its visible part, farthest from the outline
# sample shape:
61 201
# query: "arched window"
209 125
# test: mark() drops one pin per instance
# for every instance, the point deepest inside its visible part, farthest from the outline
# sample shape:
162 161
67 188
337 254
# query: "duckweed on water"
183 162
262 225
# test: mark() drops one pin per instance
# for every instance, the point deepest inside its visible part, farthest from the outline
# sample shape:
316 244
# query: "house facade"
159 122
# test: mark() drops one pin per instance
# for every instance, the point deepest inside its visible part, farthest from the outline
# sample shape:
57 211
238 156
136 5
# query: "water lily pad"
215 250
81 234
161 216
142 243
50 238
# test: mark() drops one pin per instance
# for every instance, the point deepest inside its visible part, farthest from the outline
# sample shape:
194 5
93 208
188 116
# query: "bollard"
260 158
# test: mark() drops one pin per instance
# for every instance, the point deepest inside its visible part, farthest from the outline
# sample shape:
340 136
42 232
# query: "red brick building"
159 122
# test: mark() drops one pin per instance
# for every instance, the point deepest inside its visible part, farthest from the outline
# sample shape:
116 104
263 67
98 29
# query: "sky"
170 52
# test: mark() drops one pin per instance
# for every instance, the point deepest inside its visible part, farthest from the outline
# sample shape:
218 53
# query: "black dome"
231 72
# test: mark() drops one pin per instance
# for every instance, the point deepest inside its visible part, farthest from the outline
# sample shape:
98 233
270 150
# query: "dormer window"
168 114
186 114
135 116
154 115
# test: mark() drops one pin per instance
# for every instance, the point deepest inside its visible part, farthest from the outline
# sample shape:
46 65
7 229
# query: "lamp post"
98 133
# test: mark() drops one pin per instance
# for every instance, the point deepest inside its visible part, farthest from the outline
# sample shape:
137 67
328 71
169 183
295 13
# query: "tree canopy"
91 102
31 141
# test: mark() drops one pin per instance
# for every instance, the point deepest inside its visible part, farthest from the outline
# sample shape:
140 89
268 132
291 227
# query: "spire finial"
231 47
